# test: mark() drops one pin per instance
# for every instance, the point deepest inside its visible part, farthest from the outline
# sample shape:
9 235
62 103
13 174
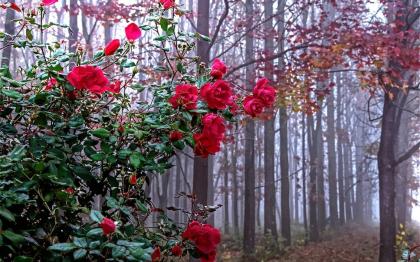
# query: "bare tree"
249 215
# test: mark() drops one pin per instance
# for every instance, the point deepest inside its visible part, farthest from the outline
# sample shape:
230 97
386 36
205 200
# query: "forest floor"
352 243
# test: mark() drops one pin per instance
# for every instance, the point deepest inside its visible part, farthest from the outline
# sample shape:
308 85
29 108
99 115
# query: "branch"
407 155
219 25
268 58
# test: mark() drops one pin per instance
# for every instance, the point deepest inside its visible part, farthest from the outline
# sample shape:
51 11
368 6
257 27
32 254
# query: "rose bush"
76 153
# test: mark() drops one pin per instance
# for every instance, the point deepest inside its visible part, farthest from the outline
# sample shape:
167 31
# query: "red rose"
218 69
205 145
88 77
107 225
115 87
15 7
132 32
70 190
213 126
205 238
121 129
266 93
175 136
52 82
156 255
112 47
253 106
176 250
48 2
167 3
185 96
217 95
132 180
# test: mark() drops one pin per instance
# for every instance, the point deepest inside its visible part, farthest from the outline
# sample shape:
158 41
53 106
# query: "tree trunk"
304 196
358 208
332 168
348 180
226 190
269 134
74 27
210 189
9 29
249 216
340 170
295 169
284 171
320 172
178 188
235 198
259 175
200 181
313 210
386 156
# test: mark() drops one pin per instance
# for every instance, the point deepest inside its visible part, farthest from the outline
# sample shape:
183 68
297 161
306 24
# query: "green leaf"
118 251
138 87
101 133
99 54
98 156
112 202
15 238
79 254
62 247
7 214
128 63
164 23
95 232
95 244
96 216
23 259
135 159
160 38
17 153
76 121
11 93
29 35
80 242
12 82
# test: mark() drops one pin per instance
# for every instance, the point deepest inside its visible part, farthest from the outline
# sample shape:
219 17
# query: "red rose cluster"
205 238
218 95
263 96
208 141
91 78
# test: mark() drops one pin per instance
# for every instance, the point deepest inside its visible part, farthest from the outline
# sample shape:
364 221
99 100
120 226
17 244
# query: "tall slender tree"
201 167
332 162
9 29
74 27
340 160
284 151
269 134
249 213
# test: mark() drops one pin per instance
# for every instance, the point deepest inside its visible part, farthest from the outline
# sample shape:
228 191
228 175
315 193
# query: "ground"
352 243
